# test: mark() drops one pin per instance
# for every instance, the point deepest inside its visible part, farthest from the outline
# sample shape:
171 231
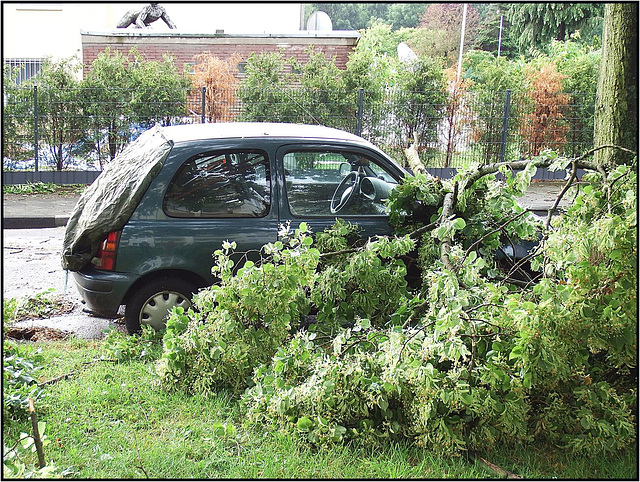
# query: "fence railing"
80 132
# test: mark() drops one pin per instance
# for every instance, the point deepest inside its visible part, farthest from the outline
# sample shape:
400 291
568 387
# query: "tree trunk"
616 113
562 32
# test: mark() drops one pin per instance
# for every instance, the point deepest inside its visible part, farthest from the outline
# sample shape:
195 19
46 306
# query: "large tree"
616 114
489 36
539 23
356 16
440 27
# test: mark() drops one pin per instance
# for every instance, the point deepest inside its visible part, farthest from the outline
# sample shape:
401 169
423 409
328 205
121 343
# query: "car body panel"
103 291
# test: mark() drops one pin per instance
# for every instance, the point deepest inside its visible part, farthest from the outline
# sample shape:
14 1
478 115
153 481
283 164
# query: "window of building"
190 68
23 69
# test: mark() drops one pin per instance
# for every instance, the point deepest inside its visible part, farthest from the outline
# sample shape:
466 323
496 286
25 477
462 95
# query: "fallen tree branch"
579 161
140 466
56 379
606 146
565 188
413 158
36 433
445 246
493 467
498 229
71 374
418 232
415 313
343 251
411 337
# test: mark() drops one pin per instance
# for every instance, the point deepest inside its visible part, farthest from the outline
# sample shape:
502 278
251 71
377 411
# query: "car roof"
229 130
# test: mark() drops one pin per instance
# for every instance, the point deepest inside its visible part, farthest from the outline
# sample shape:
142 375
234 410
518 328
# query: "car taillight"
106 255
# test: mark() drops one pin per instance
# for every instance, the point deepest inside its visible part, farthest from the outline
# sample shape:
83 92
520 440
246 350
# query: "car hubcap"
156 309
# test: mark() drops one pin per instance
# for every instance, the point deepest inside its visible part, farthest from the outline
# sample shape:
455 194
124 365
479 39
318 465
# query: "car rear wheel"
150 305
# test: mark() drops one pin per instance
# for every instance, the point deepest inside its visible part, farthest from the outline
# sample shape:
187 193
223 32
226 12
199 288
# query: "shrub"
544 125
20 364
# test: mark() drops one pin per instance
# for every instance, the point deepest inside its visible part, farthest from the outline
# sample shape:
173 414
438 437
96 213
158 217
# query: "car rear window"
221 185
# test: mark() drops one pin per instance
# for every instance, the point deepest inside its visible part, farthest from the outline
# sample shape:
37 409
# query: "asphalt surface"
33 230
31 266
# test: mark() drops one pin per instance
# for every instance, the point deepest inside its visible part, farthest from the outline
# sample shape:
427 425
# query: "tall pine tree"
538 24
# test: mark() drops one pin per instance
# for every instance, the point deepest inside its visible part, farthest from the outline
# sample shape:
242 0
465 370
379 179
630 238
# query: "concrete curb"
34 222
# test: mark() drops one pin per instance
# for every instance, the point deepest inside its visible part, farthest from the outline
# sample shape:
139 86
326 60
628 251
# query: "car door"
322 182
208 196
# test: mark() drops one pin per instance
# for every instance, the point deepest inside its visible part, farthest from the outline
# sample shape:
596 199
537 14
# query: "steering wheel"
345 191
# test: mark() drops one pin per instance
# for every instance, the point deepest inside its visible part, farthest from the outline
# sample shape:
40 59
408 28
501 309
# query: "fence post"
202 116
505 124
35 124
359 123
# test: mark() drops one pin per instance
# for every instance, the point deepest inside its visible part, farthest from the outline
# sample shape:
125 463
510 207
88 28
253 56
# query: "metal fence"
79 132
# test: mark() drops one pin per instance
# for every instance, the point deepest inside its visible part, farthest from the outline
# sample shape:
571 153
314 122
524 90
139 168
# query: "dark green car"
143 234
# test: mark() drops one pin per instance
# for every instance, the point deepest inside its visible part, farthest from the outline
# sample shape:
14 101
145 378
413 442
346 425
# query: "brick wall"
183 47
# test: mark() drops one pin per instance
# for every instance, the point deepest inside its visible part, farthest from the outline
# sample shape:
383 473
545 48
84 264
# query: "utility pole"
464 23
500 35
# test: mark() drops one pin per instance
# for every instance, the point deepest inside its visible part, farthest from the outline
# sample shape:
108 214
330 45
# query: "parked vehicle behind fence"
143 234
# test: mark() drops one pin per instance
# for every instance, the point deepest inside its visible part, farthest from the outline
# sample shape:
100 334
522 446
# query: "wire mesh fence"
84 129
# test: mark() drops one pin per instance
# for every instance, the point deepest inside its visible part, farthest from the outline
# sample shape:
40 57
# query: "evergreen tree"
536 24
357 16
488 37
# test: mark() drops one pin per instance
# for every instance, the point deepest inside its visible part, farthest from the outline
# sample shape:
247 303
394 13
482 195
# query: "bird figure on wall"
145 17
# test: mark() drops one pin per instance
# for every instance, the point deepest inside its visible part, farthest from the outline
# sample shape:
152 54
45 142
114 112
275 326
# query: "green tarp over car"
108 203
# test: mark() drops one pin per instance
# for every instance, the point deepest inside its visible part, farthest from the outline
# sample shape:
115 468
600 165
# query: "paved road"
31 265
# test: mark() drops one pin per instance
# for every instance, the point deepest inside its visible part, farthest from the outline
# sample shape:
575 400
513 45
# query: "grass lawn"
111 420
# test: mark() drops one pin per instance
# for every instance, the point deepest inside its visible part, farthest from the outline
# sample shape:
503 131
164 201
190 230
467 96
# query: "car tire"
150 304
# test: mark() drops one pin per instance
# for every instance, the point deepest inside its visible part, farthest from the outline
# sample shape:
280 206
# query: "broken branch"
36 433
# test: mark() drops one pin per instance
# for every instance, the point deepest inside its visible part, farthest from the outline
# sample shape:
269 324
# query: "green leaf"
466 398
365 323
528 380
516 352
337 433
304 424
459 224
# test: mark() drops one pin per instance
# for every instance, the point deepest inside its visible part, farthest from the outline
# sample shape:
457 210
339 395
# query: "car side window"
221 185
328 183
